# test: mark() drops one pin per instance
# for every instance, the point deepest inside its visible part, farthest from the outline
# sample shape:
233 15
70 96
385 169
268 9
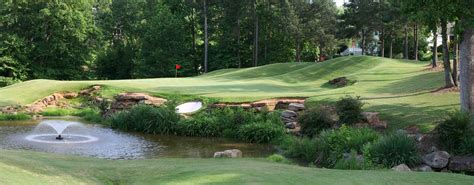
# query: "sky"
339 3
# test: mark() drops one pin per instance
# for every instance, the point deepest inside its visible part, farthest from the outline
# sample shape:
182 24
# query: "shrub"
392 150
147 119
6 81
345 140
349 110
467 146
89 114
315 120
278 158
304 149
202 126
14 117
260 132
454 129
353 162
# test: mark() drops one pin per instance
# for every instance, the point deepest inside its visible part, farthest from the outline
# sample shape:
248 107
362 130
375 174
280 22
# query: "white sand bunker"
189 107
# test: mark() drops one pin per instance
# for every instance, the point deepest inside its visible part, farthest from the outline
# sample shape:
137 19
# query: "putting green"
399 89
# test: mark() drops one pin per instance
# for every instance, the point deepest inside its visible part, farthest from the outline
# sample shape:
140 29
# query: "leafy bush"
454 130
392 150
315 120
304 149
467 146
14 117
6 81
278 158
261 132
345 140
147 119
349 110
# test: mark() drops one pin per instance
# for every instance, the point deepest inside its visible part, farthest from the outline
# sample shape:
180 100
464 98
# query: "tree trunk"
466 60
434 58
455 63
255 41
298 50
415 40
405 43
206 39
238 43
447 64
382 51
193 34
391 48
363 42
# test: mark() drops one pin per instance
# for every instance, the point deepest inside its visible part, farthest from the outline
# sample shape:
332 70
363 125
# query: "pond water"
96 141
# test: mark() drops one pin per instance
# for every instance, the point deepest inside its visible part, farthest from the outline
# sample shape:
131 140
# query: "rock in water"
437 159
234 153
462 163
401 168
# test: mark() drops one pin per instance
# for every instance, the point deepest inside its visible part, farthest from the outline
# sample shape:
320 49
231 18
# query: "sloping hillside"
400 89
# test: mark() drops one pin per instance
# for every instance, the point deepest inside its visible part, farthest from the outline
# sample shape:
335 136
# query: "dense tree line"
118 39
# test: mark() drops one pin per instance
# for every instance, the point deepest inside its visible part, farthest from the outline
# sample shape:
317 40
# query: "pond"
97 141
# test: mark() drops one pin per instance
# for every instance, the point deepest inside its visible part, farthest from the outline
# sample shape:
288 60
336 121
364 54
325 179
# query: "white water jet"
59 127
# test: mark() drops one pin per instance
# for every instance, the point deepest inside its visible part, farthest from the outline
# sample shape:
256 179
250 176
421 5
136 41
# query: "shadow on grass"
399 116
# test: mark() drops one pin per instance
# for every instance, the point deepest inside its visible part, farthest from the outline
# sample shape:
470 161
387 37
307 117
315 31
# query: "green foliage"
349 110
345 140
260 132
352 162
305 149
147 119
202 126
392 150
454 130
6 81
278 159
467 146
315 120
58 112
90 114
14 117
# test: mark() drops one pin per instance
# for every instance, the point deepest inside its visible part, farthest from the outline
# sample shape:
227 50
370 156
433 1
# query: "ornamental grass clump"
315 120
455 130
392 150
147 119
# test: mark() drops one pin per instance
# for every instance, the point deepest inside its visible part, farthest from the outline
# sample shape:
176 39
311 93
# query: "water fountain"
43 135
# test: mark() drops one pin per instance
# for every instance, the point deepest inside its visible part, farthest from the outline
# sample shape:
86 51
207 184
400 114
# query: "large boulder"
423 168
401 168
70 95
288 114
234 153
462 163
373 120
437 159
296 107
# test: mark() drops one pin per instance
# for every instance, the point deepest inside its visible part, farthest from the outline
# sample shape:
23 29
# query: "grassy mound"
22 167
399 89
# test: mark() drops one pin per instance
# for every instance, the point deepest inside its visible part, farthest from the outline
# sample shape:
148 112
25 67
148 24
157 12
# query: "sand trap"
189 107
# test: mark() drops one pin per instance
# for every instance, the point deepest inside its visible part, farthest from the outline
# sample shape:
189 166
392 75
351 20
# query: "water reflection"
112 144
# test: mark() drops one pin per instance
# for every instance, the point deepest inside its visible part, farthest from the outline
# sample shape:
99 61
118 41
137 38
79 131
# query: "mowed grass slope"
399 89
24 167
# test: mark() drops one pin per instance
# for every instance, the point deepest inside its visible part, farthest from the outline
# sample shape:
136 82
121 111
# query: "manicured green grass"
24 167
399 89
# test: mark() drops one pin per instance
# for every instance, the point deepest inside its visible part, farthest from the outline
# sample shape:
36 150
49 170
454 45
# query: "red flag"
178 66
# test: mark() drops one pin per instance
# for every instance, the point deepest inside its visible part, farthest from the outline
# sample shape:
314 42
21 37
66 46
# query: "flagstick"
176 73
